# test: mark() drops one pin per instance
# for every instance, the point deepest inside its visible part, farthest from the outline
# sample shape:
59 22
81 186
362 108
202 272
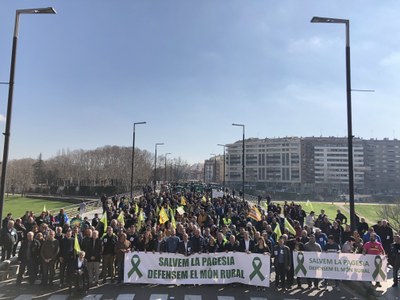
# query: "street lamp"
349 118
47 10
243 157
155 165
223 180
165 174
133 153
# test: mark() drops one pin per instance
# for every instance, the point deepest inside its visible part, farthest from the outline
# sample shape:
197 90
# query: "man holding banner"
375 248
282 262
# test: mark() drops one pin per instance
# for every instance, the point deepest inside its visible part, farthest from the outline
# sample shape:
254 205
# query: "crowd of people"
84 253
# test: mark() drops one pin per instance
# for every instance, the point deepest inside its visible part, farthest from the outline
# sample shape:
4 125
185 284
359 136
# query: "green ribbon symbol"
135 261
300 264
378 268
257 264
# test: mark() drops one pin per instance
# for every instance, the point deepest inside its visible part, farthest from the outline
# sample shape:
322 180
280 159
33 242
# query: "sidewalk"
368 291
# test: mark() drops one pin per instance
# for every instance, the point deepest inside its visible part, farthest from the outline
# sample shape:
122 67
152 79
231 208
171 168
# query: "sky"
192 68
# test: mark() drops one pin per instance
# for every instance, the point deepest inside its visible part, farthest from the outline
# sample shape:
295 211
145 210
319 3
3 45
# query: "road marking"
258 298
192 297
58 297
125 297
94 296
226 298
158 297
24 297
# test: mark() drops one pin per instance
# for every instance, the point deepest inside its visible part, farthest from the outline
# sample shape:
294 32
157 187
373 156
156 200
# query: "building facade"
315 163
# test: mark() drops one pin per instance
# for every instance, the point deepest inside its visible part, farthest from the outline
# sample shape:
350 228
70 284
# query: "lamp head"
46 10
329 20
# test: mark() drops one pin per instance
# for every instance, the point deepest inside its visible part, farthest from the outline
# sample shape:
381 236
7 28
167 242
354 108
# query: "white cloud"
2 118
315 42
391 60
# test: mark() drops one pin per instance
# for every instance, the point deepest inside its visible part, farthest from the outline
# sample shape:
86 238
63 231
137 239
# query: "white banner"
215 268
217 193
343 266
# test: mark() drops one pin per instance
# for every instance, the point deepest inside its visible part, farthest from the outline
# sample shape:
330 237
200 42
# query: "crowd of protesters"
197 223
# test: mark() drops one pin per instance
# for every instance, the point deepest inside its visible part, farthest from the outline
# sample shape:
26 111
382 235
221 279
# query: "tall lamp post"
243 157
133 154
349 118
47 10
165 174
223 179
155 165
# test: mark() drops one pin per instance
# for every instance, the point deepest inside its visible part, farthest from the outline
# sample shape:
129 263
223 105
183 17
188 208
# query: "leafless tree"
391 212
20 175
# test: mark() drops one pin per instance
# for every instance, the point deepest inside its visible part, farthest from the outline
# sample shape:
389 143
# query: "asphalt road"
9 290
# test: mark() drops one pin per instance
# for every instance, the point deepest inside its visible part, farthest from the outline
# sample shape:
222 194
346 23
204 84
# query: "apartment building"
315 163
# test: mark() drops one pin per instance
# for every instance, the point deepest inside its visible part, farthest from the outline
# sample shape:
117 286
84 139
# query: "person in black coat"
93 256
246 244
282 262
80 275
233 245
66 256
28 255
185 246
9 237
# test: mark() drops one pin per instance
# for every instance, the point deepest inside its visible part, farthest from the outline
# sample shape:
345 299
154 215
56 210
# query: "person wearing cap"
312 246
332 247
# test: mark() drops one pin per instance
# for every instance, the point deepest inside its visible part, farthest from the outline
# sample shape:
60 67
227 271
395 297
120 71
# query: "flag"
104 221
77 248
157 210
183 201
204 199
140 219
180 210
163 216
44 208
254 213
121 218
265 205
290 227
309 204
277 230
136 208
172 218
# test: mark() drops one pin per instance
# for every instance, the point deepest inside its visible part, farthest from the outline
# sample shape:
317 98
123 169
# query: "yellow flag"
44 208
290 227
309 204
163 216
172 218
277 230
136 208
77 248
121 218
104 221
183 200
204 199
140 219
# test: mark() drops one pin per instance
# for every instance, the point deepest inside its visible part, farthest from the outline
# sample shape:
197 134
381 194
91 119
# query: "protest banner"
342 266
215 268
217 193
